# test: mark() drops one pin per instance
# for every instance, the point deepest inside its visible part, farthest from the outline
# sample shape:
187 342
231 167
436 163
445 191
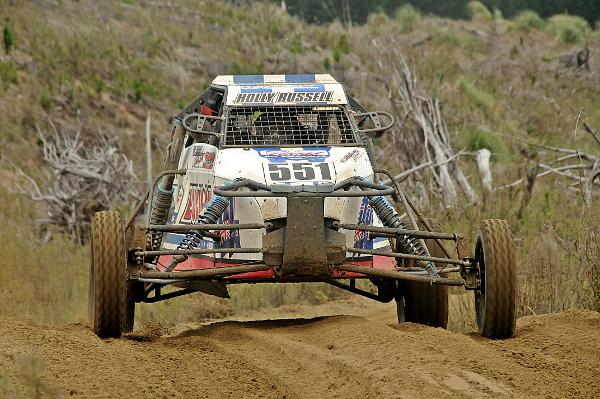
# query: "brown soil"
362 354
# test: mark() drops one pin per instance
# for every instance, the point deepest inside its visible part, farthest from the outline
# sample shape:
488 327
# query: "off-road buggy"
271 179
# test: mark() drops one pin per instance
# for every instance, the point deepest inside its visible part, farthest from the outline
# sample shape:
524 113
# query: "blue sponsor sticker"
248 79
365 218
256 90
302 78
313 88
279 155
177 239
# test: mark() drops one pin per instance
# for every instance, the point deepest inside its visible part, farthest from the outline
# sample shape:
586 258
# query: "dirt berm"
363 355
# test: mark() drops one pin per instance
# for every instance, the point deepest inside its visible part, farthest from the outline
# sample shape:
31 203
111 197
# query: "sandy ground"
355 351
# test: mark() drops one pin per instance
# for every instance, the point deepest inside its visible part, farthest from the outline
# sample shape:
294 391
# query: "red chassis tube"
207 262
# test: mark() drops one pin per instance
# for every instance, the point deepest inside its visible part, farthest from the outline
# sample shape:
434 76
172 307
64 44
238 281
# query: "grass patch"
8 73
408 17
46 100
478 96
568 29
44 282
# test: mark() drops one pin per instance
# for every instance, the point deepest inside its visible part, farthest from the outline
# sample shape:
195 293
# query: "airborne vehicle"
272 179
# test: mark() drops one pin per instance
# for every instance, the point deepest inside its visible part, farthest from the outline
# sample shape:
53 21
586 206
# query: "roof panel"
236 80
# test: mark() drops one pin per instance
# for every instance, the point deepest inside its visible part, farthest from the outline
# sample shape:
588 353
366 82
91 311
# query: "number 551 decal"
299 172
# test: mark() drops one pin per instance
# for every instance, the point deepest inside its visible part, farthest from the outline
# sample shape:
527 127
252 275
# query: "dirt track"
353 356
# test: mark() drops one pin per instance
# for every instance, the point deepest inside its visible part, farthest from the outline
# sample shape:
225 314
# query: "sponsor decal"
177 205
209 160
365 218
282 155
203 159
229 238
197 157
198 196
284 97
174 239
354 154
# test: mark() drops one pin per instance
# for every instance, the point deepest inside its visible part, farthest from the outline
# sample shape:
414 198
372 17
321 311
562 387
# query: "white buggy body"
270 179
328 163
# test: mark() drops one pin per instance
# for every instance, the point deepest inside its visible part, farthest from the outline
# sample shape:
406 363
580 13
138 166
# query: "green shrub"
527 20
137 90
343 44
568 29
340 47
336 55
9 39
476 139
479 12
142 89
408 17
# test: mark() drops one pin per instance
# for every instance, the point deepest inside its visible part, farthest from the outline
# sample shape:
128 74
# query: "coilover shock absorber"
390 218
158 215
214 210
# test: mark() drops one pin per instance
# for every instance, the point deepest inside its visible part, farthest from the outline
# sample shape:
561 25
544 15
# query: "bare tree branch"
80 179
432 140
592 132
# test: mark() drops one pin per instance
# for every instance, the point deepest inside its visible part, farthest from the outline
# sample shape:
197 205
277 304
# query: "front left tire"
107 285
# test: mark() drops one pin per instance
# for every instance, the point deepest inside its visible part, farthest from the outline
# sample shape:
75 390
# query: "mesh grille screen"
279 125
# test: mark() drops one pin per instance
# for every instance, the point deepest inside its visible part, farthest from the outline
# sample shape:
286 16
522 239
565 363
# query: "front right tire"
495 300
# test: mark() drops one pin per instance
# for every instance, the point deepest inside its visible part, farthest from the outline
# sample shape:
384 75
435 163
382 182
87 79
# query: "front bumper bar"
221 272
341 189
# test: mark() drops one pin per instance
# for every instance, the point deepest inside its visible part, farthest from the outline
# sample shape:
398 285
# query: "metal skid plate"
305 252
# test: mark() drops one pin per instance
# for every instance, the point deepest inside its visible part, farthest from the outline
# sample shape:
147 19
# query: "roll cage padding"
210 98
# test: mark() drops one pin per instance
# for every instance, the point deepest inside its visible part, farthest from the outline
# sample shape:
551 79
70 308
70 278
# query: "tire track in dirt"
328 357
281 354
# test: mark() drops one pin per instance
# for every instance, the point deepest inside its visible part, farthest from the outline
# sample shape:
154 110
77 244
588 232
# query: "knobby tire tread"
108 263
499 313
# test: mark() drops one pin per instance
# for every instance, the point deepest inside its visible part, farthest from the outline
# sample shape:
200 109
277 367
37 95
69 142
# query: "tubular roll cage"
249 188
222 126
